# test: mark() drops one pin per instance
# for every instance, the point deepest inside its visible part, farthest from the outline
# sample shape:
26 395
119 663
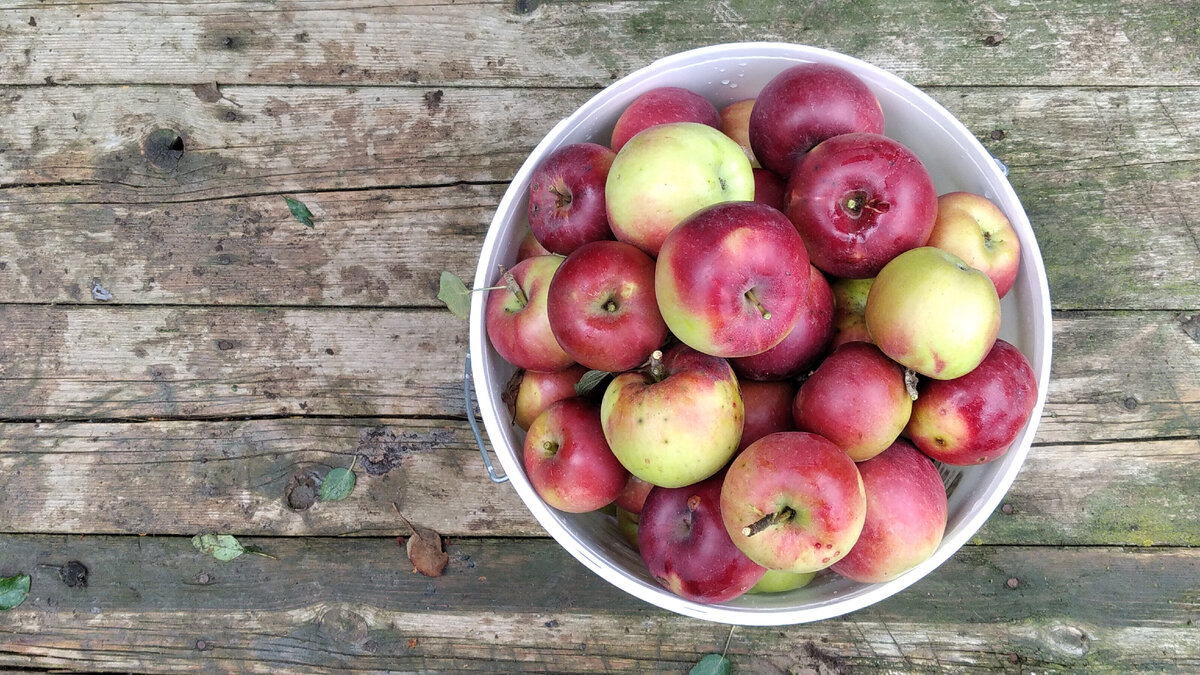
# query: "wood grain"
585 43
260 477
503 605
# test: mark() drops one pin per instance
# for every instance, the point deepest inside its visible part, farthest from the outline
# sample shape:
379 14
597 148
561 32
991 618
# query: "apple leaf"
590 380
453 292
712 664
424 549
223 547
13 590
299 211
338 483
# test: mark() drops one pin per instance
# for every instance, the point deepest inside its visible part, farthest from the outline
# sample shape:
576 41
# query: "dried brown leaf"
424 549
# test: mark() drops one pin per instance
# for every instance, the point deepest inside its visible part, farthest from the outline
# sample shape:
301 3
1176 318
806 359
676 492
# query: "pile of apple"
792 326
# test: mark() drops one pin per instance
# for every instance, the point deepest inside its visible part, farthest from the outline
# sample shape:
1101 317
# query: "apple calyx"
779 517
910 383
550 447
562 196
510 282
749 295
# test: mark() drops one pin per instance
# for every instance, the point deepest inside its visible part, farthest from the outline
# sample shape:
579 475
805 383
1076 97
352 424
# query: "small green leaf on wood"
712 664
224 547
589 381
13 590
338 483
299 211
453 292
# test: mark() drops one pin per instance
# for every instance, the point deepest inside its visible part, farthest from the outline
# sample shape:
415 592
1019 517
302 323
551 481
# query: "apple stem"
510 282
781 516
563 196
766 313
910 382
658 371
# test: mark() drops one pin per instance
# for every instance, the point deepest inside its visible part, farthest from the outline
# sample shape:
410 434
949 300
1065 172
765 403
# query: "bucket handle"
468 391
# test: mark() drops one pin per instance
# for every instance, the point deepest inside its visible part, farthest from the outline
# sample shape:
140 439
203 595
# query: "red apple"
973 228
804 345
793 501
686 548
602 306
858 200
568 462
930 311
677 421
516 319
530 247
529 392
769 189
856 398
732 279
633 495
663 105
804 105
906 516
849 309
975 418
566 197
768 409
735 123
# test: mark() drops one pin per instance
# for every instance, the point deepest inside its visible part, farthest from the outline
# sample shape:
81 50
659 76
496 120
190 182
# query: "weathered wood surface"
573 44
260 477
504 605
243 355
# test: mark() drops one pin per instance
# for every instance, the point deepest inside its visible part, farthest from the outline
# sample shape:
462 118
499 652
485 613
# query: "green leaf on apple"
589 381
712 664
338 483
299 211
13 590
453 292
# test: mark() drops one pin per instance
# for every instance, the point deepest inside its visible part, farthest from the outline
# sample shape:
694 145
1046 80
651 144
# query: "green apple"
676 422
668 172
931 312
778 581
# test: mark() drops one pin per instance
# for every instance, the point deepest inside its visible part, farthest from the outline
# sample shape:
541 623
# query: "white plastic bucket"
957 161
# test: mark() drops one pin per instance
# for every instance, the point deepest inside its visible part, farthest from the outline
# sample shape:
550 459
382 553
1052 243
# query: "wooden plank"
329 605
261 477
509 43
1116 375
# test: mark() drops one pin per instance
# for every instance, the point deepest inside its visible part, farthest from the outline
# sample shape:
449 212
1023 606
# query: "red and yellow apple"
973 228
516 317
663 105
568 462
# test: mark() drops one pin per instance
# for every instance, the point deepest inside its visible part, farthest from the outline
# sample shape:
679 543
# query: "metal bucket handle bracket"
469 398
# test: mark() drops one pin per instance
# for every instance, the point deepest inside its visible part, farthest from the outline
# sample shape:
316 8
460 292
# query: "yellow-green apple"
516 319
566 197
602 306
778 581
805 344
735 123
849 309
568 462
663 105
793 501
768 408
769 189
930 311
906 515
530 247
804 105
975 418
668 172
676 422
858 200
633 495
529 392
685 546
973 228
732 279
857 398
